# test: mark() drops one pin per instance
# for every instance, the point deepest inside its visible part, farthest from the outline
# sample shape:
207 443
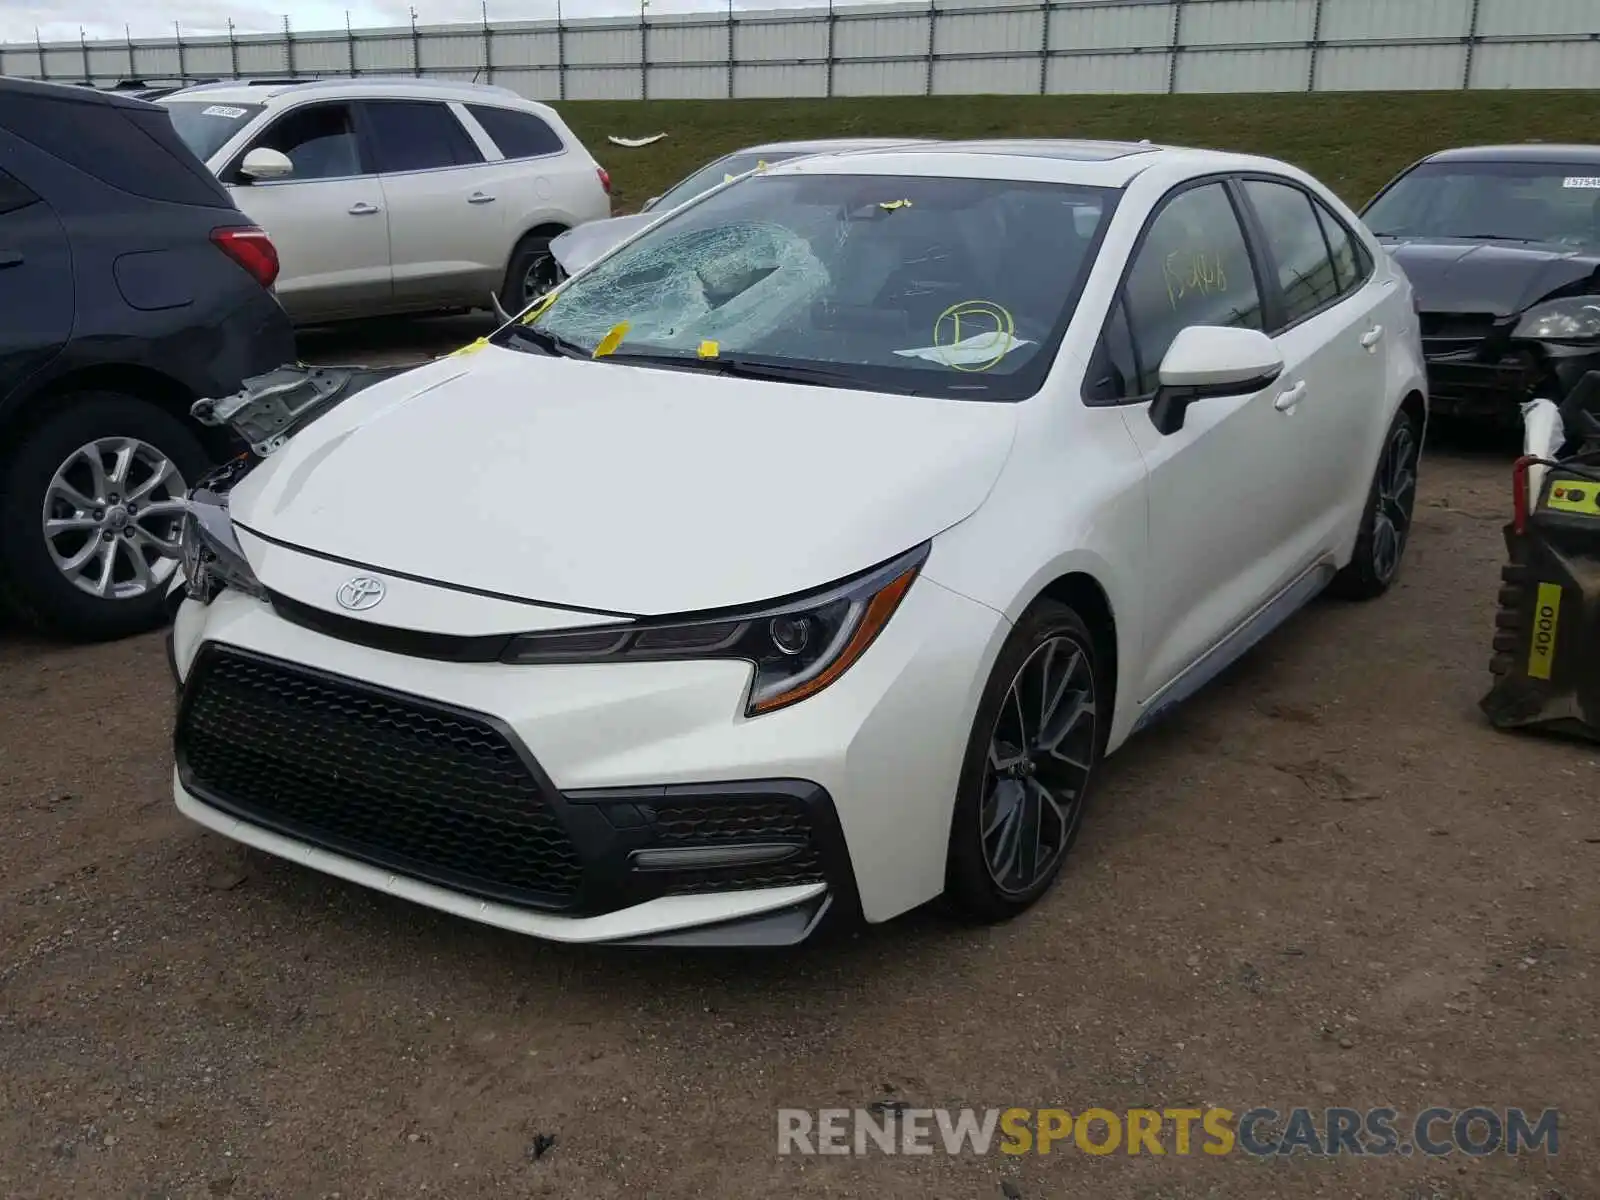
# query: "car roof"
1525 152
1067 160
69 92
269 91
824 145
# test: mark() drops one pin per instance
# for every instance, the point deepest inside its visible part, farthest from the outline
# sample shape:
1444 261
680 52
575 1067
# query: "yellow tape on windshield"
469 348
709 350
540 307
612 340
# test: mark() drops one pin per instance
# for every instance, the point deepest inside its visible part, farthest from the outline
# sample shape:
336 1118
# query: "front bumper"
769 917
579 802
1491 377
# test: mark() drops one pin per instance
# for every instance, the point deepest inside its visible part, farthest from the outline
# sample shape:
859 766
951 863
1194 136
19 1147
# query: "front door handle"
10 258
363 209
1372 337
480 198
1287 400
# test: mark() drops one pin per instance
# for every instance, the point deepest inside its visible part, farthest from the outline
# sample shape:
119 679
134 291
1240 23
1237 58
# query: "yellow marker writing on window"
612 340
709 350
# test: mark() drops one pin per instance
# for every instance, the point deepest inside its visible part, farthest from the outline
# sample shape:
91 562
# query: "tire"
532 252
36 586
1054 638
1391 506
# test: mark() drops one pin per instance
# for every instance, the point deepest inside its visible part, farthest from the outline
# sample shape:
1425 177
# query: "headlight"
210 552
797 647
1575 319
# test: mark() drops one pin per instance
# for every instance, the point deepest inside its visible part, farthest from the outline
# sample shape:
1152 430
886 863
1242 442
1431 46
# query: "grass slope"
1355 142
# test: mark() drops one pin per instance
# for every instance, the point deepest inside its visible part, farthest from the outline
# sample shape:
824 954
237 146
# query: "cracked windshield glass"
923 285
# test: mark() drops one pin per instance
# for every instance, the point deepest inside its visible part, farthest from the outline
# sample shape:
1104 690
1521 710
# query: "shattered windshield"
1544 203
924 285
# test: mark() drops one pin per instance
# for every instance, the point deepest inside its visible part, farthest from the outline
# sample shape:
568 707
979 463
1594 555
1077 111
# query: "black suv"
130 287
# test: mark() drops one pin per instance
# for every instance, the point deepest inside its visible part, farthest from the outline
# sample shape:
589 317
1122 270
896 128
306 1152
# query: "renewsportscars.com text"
1258 1132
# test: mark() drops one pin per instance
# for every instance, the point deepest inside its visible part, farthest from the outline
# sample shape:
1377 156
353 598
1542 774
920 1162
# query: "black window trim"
232 178
369 154
561 142
23 193
1269 296
1365 267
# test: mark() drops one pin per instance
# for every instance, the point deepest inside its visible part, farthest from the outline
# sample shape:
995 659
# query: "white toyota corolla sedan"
806 555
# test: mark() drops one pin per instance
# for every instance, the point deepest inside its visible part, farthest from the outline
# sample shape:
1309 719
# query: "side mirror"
262 164
1207 362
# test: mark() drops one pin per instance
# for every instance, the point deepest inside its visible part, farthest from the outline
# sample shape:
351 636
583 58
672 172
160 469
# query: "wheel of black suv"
1031 762
1386 522
533 272
91 506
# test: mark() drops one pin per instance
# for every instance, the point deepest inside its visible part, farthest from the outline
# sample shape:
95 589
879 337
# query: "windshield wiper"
1494 237
743 368
550 343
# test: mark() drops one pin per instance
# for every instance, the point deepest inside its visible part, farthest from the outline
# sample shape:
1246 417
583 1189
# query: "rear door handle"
1372 337
1287 400
10 258
363 209
480 198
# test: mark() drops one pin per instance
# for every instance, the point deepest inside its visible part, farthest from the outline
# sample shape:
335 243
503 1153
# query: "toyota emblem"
361 593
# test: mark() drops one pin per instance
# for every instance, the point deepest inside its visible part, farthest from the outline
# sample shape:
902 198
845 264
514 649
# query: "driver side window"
1192 268
320 141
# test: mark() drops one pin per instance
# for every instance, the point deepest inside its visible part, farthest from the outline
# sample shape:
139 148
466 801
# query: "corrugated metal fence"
949 47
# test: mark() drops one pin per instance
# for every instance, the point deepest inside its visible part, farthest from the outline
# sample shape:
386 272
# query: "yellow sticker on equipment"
1546 624
709 350
1575 496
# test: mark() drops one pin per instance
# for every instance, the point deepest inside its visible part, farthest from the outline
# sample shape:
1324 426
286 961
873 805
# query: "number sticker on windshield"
223 110
1591 182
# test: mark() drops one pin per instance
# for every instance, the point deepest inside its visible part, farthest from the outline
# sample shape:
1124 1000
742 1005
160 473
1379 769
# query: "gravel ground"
1324 882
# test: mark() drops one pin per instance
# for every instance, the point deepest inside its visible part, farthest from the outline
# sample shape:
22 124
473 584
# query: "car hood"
1452 276
577 248
629 490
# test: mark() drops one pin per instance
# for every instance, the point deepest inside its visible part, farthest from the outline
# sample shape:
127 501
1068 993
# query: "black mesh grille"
423 790
742 820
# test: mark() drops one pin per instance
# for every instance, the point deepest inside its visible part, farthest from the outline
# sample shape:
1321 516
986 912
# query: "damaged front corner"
269 408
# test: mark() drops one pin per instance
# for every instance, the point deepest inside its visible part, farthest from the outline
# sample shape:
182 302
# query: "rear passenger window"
1306 271
418 135
1350 260
1194 268
134 151
518 134
13 195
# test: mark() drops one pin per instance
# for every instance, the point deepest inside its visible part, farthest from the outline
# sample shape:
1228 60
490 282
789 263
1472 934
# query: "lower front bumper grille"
422 789
1469 387
452 797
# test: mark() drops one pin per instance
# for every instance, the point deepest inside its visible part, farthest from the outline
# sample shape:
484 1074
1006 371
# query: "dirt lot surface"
1325 882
